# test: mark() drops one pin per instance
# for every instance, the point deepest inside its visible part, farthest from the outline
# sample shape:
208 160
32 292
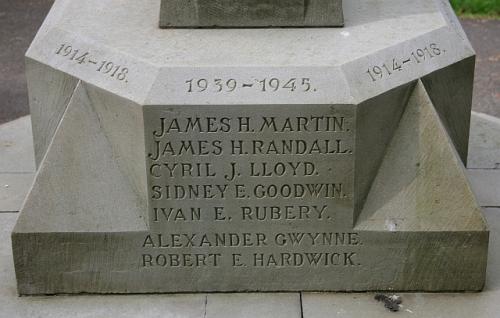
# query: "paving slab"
484 143
484 159
192 306
486 185
431 305
280 305
17 165
19 21
13 189
16 146
483 34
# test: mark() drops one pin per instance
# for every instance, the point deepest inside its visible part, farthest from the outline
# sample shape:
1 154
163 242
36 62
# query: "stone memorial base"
250 160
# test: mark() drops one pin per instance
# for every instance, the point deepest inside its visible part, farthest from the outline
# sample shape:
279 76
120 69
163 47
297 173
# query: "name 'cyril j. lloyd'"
177 147
262 142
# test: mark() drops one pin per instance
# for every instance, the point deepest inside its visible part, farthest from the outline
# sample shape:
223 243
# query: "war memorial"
250 146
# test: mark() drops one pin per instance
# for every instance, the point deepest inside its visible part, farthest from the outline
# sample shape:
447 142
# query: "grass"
478 8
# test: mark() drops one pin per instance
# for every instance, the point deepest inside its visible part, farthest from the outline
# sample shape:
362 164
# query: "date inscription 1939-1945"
229 85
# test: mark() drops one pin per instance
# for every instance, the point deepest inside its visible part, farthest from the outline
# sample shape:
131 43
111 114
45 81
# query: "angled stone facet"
77 178
420 169
48 100
376 122
450 90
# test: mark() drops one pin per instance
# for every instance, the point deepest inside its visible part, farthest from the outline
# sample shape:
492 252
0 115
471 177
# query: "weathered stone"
250 13
48 99
419 169
313 305
238 160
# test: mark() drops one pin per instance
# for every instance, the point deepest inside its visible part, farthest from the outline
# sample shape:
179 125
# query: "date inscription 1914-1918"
418 56
83 57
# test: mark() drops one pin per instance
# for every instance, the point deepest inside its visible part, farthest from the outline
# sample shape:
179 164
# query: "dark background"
20 19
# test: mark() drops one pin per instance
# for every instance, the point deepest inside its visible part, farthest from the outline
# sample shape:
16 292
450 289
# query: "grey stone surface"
487 183
189 306
24 17
421 179
171 306
158 66
13 189
245 305
196 96
484 145
483 154
48 99
250 13
19 21
457 305
422 305
16 147
17 166
82 187
484 159
147 306
483 36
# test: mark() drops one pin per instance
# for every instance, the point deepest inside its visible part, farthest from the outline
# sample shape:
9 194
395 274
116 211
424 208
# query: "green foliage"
480 7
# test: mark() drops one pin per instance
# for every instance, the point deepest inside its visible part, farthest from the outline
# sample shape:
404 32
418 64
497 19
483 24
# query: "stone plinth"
250 159
250 13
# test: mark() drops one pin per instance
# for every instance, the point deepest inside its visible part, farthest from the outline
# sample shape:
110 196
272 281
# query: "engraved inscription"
264 85
418 56
260 187
85 58
234 240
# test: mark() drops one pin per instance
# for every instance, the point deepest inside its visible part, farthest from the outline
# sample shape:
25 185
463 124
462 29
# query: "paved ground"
485 37
19 20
